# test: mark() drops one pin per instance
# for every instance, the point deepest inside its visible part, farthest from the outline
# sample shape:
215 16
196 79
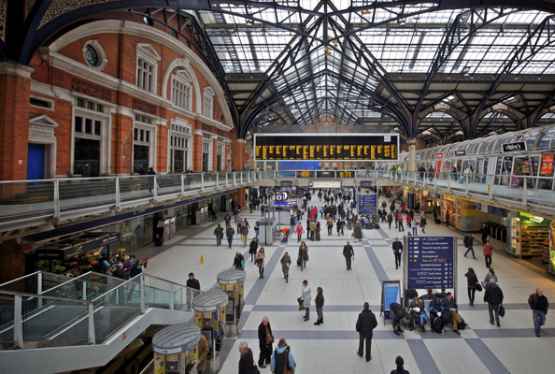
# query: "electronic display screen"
326 147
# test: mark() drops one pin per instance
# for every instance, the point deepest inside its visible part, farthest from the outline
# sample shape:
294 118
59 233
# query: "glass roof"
334 57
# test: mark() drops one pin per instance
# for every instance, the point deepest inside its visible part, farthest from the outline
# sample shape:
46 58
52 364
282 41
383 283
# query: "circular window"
92 56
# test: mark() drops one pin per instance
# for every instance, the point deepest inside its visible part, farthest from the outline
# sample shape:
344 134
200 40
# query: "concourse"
290 186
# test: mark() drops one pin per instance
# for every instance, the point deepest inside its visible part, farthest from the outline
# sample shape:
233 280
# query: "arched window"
182 90
147 67
208 102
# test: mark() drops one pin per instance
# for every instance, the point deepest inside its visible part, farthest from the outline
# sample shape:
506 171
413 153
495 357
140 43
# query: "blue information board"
430 262
367 203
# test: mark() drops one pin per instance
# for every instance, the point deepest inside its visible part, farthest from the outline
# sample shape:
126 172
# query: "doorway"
36 161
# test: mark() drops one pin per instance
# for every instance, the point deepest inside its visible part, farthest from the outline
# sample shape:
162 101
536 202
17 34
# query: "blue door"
35 161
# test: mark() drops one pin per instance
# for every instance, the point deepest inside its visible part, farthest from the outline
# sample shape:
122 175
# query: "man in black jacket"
397 250
494 297
469 244
366 324
193 288
539 305
349 253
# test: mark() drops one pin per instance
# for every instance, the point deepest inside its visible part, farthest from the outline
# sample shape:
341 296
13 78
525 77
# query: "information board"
367 204
326 147
430 262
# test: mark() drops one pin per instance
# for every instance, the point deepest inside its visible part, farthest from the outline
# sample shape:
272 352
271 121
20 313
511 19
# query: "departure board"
326 147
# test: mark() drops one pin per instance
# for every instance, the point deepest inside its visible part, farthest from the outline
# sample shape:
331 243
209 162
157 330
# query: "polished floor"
330 348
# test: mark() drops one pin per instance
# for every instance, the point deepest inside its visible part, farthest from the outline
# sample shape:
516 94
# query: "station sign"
514 147
326 147
460 152
281 196
367 204
430 262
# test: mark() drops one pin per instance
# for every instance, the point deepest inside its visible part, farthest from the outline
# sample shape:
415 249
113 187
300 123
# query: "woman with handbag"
265 341
283 361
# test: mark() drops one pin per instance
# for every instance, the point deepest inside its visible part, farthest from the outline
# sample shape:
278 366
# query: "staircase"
50 324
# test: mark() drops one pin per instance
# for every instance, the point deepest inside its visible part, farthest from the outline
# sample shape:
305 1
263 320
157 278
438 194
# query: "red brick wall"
121 54
14 126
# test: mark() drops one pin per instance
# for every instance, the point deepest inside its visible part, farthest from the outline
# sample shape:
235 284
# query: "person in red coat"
299 230
488 252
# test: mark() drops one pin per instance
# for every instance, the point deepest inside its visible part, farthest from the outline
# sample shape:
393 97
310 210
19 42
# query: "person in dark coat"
253 246
365 326
494 297
471 285
229 232
539 305
219 233
348 253
246 361
265 341
239 261
469 244
397 251
399 362
319 301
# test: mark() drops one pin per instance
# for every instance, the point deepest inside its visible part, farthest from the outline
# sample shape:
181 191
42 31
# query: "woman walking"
260 262
319 301
285 265
302 257
265 341
471 284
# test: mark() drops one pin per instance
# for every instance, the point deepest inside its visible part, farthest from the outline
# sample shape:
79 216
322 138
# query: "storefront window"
503 170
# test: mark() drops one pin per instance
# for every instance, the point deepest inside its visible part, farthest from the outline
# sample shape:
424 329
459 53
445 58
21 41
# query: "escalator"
83 322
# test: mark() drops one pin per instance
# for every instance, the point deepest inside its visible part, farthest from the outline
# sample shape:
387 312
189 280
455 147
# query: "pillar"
412 155
197 151
122 144
15 89
238 154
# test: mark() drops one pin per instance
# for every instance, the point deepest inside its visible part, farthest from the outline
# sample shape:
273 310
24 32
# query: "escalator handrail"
35 296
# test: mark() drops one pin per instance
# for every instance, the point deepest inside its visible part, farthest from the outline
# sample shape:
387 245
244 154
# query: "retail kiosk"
176 349
232 282
209 310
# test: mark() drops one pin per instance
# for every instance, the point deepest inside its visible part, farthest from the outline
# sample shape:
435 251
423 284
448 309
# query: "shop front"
529 236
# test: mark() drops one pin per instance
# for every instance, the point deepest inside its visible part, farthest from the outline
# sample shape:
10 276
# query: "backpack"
437 325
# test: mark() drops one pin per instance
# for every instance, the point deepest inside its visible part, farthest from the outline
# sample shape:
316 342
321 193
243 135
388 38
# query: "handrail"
70 280
166 280
32 296
111 290
20 278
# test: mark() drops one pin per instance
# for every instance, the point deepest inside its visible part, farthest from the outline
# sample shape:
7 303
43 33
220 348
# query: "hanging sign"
514 147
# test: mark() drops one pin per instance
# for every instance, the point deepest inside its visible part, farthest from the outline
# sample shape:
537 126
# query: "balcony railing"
21 200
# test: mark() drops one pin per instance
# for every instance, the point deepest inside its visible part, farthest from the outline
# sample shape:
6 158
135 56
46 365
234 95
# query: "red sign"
439 155
546 168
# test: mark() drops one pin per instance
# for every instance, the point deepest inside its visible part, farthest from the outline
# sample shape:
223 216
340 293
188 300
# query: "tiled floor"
330 348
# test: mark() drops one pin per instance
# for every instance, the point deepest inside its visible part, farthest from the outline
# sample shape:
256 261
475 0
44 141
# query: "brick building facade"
114 96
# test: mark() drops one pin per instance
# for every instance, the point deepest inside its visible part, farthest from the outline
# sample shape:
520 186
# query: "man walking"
365 326
397 250
494 297
219 233
229 232
193 288
469 244
349 253
539 305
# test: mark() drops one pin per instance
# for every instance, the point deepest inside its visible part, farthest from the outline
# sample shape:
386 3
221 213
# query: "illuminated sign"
326 147
514 147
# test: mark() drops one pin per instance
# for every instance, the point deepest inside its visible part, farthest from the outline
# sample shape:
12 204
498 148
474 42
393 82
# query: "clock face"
91 56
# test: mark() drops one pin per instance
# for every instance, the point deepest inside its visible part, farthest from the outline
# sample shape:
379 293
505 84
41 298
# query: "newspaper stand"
209 310
175 349
232 281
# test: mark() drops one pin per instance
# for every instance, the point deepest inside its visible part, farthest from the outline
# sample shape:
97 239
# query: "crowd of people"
337 211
